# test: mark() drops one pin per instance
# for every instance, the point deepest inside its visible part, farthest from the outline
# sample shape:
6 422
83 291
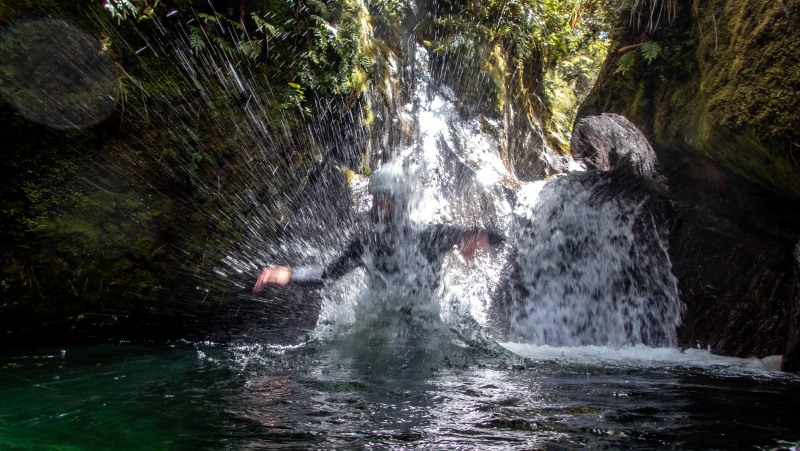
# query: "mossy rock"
727 86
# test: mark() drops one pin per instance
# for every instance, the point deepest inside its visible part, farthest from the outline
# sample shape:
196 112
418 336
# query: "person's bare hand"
472 245
273 275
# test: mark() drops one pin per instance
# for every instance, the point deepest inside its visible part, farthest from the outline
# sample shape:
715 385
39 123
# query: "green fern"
625 63
224 45
121 10
196 39
220 19
264 26
207 18
250 49
650 50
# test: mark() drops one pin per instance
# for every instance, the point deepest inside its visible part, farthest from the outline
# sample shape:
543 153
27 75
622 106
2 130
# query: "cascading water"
593 271
590 268
572 271
454 174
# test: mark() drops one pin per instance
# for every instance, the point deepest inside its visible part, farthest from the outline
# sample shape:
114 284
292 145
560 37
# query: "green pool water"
255 396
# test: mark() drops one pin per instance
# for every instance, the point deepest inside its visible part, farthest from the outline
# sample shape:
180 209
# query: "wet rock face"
528 153
731 248
737 225
609 140
791 359
732 244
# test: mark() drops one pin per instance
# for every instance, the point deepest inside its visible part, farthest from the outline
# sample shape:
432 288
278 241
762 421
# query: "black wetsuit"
390 252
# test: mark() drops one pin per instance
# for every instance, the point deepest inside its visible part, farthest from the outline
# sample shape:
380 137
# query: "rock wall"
791 360
719 106
725 84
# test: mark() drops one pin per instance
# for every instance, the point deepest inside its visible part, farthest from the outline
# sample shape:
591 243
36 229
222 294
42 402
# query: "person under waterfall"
400 258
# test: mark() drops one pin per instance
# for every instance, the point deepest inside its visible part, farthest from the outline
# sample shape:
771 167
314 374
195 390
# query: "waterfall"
457 177
578 265
593 270
581 266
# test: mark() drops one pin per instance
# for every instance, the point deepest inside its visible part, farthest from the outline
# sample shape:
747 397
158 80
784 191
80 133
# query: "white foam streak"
641 356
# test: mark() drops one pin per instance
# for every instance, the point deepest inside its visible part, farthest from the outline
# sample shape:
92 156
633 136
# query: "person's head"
390 193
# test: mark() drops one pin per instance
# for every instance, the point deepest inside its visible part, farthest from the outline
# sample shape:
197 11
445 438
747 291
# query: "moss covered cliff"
124 219
725 83
716 87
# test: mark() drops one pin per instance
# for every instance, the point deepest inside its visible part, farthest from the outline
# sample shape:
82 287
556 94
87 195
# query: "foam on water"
646 357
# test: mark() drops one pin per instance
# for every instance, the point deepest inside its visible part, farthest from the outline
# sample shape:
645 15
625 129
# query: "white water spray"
594 271
456 177
590 273
589 270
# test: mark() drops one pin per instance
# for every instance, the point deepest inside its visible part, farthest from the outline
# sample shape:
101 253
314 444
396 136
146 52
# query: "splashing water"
591 272
454 173
588 270
595 271
591 269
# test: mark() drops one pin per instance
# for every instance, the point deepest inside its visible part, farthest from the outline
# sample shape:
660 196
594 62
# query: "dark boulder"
722 117
791 359
609 141
730 240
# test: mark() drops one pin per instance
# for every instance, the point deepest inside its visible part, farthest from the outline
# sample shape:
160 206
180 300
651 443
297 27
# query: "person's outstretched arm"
477 241
311 275
284 275
273 275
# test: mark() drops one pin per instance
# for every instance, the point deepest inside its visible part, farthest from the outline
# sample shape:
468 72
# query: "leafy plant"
335 58
625 63
197 39
216 29
126 84
649 50
296 98
389 13
130 9
121 9
509 43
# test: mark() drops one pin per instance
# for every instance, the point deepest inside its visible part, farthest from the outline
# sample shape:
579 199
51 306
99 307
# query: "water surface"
322 395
